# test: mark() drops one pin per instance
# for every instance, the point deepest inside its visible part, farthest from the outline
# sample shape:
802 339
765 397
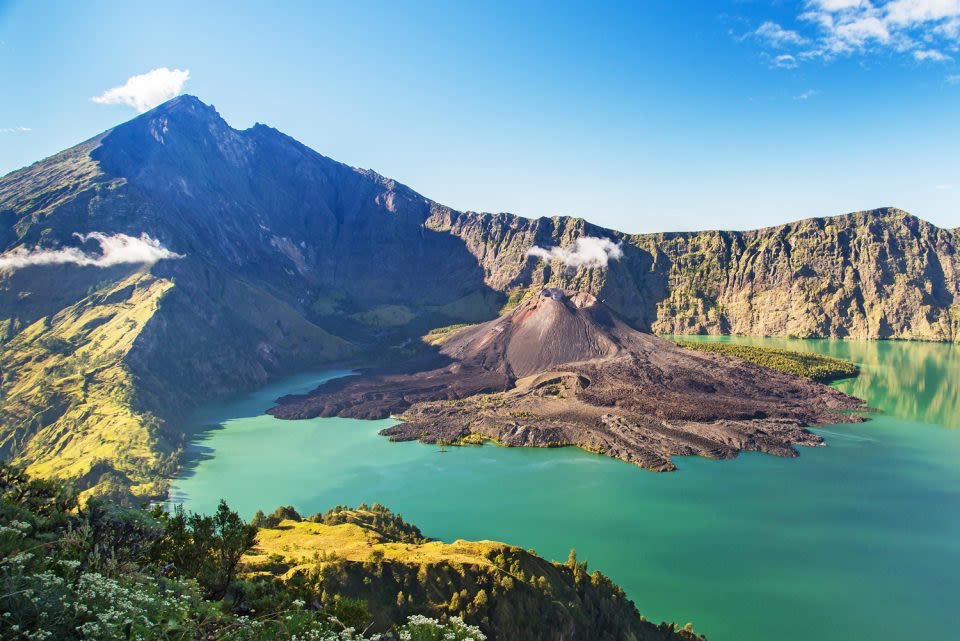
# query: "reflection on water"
911 380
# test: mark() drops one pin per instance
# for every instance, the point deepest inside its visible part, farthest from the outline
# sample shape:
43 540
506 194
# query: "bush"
822 369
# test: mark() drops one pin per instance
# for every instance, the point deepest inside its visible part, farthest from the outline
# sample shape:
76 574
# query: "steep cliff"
867 275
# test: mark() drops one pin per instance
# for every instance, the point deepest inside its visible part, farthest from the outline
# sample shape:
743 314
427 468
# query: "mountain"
227 258
866 275
563 369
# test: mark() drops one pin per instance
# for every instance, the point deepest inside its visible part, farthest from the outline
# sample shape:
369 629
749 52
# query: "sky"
646 116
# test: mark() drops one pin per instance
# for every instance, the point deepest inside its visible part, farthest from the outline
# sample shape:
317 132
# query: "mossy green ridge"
823 369
114 573
372 555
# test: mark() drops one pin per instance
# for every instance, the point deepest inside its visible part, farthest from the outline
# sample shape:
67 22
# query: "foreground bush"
108 573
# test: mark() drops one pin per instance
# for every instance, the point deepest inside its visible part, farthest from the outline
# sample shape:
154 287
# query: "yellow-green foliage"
504 589
67 405
438 335
813 366
514 297
301 544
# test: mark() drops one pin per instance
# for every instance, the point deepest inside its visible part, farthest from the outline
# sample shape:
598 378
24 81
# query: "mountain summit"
286 259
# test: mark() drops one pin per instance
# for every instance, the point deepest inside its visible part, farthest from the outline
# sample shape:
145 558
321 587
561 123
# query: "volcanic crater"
563 369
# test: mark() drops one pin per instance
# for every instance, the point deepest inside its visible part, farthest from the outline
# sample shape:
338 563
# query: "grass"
518 594
822 369
302 543
514 297
67 393
438 335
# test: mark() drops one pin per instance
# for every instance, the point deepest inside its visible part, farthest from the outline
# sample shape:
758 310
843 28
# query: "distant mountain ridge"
292 260
867 275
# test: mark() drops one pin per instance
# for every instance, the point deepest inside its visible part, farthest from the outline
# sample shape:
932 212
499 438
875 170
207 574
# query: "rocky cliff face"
866 275
290 260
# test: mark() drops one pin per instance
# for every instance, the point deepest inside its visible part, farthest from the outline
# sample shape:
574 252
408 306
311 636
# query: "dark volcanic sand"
562 369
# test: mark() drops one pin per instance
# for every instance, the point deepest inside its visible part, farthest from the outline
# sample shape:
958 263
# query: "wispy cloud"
777 36
115 249
930 54
15 130
806 95
953 79
785 61
147 90
925 30
587 251
944 187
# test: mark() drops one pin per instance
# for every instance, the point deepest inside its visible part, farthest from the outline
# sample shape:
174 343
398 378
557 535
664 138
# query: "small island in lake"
563 369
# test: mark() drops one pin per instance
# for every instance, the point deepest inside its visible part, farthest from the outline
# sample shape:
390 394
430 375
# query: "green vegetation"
110 573
438 335
105 572
516 296
80 400
808 365
68 403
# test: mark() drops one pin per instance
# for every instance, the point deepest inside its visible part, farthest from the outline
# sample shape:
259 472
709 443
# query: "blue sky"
648 116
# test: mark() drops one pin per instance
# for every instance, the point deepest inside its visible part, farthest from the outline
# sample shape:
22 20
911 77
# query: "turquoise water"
858 540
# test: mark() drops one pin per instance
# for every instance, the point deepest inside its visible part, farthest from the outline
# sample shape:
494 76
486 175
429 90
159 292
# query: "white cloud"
916 11
944 187
806 95
116 249
777 36
930 54
588 251
15 130
785 61
838 5
926 30
147 90
861 30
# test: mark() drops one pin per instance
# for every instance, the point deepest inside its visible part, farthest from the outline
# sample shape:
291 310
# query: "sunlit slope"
88 391
372 555
68 392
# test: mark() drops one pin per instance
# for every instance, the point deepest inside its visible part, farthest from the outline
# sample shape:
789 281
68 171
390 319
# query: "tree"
207 548
233 537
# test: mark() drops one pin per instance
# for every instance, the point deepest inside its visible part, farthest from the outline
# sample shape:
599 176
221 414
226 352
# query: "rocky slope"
866 275
563 369
289 260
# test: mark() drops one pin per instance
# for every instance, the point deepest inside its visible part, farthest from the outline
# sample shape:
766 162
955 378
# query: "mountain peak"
184 103
183 113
